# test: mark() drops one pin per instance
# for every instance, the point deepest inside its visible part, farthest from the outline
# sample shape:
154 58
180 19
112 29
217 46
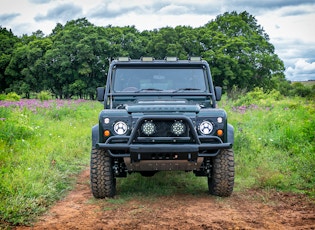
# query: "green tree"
239 52
18 62
26 69
164 42
188 40
78 55
73 59
7 44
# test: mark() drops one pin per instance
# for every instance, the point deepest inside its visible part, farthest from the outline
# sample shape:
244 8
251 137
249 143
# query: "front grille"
155 130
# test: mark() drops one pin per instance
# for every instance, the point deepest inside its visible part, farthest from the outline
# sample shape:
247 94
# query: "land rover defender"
161 115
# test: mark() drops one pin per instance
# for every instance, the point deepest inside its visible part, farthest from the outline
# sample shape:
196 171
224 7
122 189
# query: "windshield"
159 79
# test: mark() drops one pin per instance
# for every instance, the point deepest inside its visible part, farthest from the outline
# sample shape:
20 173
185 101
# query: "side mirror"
100 93
218 93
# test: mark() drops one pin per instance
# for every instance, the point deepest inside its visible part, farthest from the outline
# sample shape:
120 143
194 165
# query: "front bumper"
200 146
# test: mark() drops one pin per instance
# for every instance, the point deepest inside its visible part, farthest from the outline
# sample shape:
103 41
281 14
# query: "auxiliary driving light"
120 128
147 59
171 59
205 127
123 59
178 128
194 58
148 128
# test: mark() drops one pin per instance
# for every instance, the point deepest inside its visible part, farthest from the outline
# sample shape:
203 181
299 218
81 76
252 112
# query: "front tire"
221 180
103 182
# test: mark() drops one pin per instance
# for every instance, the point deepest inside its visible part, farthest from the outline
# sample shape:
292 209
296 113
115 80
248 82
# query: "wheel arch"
230 134
95 135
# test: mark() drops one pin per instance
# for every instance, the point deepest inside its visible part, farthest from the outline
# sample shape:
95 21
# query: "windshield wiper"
148 89
185 89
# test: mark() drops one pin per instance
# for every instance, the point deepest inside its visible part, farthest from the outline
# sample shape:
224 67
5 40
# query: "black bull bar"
128 146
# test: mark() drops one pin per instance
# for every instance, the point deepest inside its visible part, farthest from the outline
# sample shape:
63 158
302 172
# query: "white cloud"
174 10
302 71
63 12
5 18
39 1
291 26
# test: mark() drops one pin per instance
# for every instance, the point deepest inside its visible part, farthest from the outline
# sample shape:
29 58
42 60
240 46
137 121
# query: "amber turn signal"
220 132
106 133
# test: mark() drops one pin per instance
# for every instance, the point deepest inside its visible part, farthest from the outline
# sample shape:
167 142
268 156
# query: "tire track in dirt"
243 210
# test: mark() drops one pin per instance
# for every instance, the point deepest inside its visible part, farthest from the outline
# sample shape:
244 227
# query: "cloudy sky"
289 23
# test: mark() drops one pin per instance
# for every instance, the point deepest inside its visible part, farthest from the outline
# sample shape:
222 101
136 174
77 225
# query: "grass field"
43 145
275 142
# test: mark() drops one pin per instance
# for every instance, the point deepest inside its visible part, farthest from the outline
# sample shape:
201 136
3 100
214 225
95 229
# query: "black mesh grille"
162 128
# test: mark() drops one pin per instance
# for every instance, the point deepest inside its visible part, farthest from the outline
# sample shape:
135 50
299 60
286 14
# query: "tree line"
73 60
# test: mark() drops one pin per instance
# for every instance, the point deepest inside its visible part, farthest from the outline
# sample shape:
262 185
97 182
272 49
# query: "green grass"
39 154
274 143
41 151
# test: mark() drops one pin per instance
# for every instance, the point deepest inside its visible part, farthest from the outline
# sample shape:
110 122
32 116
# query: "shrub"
12 97
284 87
44 95
2 97
236 93
301 90
259 97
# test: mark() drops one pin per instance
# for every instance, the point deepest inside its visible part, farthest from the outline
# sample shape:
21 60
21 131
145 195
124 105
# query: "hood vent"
162 108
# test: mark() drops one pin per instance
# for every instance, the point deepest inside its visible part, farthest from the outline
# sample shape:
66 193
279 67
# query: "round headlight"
205 127
148 128
120 128
178 128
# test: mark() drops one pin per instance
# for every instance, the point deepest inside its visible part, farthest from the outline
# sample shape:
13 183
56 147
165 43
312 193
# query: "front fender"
230 134
95 135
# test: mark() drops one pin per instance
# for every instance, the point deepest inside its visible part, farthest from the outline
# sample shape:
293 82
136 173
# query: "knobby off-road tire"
103 182
221 182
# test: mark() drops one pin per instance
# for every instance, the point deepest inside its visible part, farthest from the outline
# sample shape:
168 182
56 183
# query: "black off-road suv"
161 115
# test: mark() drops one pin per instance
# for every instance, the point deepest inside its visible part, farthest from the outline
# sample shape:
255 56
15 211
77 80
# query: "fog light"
148 128
178 128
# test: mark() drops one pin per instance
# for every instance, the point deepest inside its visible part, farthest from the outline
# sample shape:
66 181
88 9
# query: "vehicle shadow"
162 184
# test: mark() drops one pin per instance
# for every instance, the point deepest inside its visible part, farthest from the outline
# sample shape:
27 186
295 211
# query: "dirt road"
247 210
